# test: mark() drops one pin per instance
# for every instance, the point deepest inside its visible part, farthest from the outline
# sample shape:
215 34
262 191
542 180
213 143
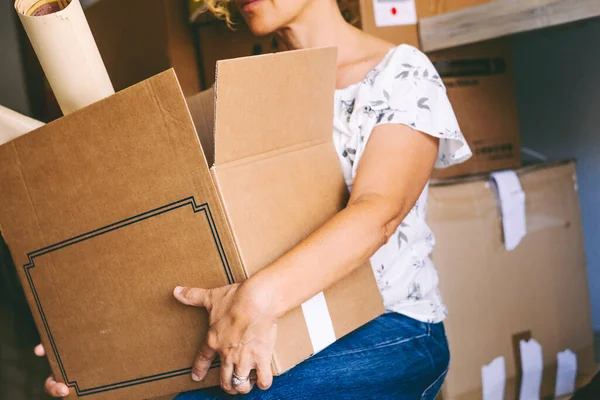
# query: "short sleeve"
408 90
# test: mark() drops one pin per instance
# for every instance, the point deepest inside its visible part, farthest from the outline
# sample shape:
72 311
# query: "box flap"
202 110
249 120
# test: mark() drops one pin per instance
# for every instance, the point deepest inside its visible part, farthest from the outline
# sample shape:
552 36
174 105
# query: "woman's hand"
53 388
243 328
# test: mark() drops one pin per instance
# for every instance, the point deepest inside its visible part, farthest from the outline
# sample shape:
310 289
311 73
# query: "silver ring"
239 380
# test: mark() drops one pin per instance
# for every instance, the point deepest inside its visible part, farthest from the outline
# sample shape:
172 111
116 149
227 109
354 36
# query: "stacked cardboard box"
479 80
494 296
480 83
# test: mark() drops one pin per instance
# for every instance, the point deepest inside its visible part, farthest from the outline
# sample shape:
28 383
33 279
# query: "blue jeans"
392 357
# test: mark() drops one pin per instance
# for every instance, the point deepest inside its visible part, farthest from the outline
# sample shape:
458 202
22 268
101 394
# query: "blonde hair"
221 9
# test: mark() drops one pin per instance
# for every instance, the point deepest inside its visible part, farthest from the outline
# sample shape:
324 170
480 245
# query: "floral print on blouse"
403 89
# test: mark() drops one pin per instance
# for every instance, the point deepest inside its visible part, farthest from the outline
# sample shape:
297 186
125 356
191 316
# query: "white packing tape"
319 323
493 379
512 206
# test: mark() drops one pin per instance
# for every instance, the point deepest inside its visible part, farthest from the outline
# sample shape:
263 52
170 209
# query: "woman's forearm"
341 245
385 189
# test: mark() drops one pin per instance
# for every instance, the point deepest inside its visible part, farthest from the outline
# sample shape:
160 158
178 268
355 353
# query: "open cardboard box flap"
106 210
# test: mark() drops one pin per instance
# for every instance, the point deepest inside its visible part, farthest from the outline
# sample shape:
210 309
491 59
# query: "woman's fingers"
227 376
242 371
204 359
264 378
39 350
193 296
55 389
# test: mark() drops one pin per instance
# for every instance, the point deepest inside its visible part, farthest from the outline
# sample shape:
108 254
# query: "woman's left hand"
242 331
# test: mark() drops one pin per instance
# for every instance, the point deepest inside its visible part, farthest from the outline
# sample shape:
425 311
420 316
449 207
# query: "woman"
392 123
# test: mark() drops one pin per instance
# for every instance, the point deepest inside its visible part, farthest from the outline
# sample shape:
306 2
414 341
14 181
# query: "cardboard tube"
13 125
64 44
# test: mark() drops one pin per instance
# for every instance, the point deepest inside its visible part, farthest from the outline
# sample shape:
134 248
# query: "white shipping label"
532 365
394 12
493 379
566 373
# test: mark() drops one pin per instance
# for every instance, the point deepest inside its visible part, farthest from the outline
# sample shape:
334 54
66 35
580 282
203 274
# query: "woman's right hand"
53 388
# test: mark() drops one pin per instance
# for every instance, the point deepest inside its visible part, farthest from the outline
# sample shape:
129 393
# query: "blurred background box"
144 38
493 294
399 34
479 79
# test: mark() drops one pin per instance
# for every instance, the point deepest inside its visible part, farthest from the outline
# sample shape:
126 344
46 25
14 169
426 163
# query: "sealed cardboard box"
141 38
393 21
494 296
479 79
106 210
428 8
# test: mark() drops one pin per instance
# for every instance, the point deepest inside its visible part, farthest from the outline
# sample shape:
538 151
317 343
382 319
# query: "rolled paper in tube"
67 51
13 125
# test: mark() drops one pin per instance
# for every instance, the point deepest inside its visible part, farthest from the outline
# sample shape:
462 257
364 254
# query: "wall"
558 89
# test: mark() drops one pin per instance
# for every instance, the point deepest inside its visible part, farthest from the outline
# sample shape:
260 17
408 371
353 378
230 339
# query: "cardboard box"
400 34
141 38
106 210
493 295
480 83
429 8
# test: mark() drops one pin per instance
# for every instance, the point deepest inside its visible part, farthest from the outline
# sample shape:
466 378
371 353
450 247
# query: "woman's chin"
259 28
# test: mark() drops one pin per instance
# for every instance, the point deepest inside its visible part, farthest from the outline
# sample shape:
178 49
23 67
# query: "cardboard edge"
214 132
215 180
274 153
484 176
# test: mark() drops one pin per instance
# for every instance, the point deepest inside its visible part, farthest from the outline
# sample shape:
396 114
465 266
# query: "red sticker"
394 11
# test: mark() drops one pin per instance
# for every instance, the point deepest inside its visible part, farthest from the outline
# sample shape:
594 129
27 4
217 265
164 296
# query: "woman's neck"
320 25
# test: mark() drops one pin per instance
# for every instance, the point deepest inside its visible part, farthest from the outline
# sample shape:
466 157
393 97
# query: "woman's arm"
393 171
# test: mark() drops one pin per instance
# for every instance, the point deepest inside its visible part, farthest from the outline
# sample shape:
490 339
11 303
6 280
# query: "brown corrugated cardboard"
480 83
428 8
493 294
141 38
107 209
403 34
